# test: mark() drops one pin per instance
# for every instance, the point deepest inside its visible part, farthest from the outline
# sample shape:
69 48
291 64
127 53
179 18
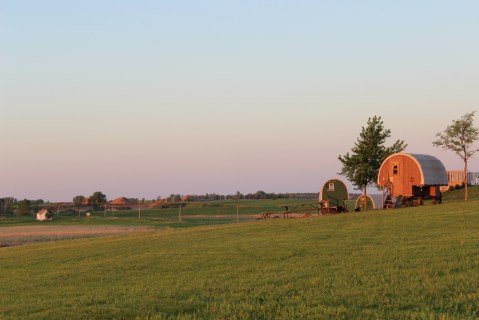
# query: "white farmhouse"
43 215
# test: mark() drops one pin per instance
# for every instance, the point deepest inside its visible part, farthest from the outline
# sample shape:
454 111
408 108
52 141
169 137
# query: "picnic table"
319 208
316 207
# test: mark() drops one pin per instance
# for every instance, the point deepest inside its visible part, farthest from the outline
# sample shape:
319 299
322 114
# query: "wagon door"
396 176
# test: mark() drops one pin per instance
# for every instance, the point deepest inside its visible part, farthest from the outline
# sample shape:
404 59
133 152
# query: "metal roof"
434 172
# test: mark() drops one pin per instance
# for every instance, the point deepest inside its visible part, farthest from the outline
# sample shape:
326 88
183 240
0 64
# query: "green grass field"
193 214
411 263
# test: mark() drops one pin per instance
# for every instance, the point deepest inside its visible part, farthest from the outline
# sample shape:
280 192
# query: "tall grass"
411 263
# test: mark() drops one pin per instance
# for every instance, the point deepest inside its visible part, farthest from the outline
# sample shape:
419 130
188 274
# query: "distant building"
456 177
123 201
44 215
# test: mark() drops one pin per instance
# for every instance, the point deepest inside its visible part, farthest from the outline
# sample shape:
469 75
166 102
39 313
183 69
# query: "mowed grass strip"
414 263
19 235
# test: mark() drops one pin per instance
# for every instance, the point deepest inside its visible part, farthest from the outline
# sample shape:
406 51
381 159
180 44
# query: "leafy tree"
260 194
24 207
97 199
78 201
362 166
460 137
175 198
36 204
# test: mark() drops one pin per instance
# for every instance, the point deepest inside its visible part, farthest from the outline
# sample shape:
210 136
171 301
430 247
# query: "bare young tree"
460 137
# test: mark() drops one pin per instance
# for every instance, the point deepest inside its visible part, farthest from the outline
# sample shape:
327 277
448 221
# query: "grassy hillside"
458 195
417 263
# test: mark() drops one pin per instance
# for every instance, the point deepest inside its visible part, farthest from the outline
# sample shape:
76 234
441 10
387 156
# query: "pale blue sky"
148 98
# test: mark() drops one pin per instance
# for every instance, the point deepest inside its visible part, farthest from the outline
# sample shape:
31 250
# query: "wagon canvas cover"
433 170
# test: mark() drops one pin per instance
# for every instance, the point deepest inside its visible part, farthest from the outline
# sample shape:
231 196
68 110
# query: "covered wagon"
359 205
409 177
333 194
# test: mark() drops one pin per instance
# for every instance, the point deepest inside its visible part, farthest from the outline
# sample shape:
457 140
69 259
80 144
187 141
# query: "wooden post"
179 214
237 211
466 181
382 193
365 199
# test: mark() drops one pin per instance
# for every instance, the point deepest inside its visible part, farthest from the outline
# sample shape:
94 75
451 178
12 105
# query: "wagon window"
395 168
331 186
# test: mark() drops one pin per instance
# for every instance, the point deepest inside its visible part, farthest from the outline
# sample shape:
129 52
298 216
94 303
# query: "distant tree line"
97 200
239 196
10 206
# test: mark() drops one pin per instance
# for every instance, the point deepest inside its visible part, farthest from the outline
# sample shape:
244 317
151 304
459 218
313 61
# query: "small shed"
334 192
412 175
44 215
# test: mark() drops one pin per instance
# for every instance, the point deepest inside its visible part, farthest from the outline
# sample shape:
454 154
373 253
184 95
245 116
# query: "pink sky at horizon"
157 98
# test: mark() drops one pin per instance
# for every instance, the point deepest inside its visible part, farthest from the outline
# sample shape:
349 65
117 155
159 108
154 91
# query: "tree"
460 137
36 204
238 195
78 201
260 194
362 166
6 205
97 199
24 207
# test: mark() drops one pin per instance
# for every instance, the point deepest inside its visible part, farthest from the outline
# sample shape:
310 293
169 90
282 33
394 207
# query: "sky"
151 98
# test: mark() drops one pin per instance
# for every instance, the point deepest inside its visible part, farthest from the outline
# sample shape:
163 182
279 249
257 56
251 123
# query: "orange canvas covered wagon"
412 176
